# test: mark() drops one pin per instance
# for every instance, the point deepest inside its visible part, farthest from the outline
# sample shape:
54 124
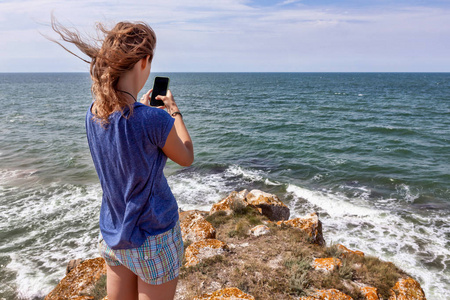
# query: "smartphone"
160 86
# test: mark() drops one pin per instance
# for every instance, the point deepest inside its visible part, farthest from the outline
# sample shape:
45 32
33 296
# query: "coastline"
300 266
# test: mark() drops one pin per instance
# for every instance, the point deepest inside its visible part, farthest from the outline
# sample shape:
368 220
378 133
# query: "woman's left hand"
145 99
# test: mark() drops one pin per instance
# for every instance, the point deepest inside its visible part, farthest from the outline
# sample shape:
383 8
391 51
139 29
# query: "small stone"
331 294
326 264
370 293
259 230
226 294
200 250
346 250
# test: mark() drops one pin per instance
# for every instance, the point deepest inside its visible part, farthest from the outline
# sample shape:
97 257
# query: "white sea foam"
45 229
252 175
333 204
194 191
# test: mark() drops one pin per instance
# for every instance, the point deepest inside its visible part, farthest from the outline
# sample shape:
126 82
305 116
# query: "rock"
259 230
72 264
226 294
82 278
407 289
327 264
200 250
269 205
370 293
346 250
194 227
310 224
229 203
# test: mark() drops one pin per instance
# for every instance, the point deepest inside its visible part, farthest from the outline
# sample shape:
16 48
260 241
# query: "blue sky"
243 35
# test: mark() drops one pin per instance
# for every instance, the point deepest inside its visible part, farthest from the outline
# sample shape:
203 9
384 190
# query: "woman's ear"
144 63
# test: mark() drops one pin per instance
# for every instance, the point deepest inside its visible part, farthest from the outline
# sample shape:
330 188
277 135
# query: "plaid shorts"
156 261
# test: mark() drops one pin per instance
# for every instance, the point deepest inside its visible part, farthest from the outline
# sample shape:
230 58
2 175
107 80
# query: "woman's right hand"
145 99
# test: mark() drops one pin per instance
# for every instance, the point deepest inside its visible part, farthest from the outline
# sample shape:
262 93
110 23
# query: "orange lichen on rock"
226 204
327 264
331 294
79 280
226 294
268 204
346 250
370 293
407 289
200 250
309 224
194 227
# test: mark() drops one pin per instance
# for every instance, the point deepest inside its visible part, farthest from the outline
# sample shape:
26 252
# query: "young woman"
130 143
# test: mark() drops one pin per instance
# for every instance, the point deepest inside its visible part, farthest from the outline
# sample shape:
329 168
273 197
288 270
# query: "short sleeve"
160 123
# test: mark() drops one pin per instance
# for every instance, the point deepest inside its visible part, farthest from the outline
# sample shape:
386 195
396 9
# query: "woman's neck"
127 86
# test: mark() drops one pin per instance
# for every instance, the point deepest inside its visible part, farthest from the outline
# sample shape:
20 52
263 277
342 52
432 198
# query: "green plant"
299 283
99 290
218 218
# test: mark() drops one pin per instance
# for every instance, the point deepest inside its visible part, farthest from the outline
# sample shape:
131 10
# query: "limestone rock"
310 224
407 289
331 294
226 294
326 264
346 250
232 200
83 277
72 264
370 293
200 250
269 205
259 230
194 227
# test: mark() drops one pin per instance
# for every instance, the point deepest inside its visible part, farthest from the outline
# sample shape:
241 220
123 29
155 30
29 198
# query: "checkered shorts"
156 261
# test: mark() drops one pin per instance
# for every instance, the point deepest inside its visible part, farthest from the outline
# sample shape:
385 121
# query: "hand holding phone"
160 86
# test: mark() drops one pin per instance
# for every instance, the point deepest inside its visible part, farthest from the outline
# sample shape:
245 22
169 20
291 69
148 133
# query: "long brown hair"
111 55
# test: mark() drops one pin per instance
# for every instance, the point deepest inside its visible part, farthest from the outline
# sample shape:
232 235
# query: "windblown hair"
113 53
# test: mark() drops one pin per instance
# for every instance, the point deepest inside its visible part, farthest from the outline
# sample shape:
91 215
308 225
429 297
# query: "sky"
242 35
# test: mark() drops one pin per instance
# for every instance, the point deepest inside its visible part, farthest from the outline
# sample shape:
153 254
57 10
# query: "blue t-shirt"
137 201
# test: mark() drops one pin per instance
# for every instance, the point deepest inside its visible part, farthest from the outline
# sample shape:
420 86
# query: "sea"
369 152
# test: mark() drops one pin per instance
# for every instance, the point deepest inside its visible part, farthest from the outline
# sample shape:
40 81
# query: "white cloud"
231 35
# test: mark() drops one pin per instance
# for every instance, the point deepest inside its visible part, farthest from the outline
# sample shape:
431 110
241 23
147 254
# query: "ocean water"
370 152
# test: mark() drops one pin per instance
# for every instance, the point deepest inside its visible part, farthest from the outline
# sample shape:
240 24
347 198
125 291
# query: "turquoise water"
370 152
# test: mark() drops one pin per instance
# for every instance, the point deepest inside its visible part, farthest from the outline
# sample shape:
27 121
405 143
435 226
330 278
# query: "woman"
130 142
